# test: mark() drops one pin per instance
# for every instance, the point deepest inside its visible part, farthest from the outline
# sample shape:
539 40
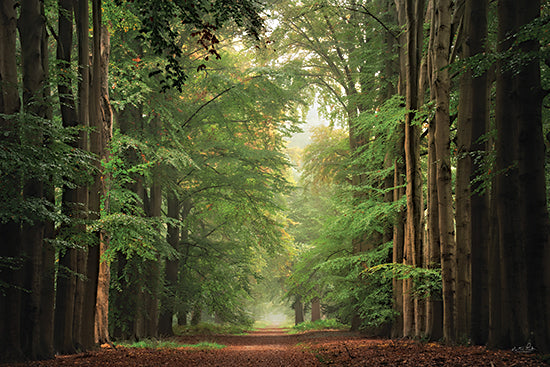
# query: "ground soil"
274 347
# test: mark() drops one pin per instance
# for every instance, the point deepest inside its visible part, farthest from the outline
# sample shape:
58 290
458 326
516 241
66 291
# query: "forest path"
274 347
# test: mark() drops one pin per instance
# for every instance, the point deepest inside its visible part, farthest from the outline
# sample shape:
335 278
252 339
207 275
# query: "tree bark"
463 191
98 146
74 202
532 195
398 179
513 329
441 84
10 302
171 271
151 298
434 306
32 31
104 275
315 309
413 230
298 310
472 122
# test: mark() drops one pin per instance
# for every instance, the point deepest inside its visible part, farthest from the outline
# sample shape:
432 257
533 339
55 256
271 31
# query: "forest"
147 180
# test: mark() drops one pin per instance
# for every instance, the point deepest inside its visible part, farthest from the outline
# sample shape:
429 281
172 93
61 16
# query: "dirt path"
274 347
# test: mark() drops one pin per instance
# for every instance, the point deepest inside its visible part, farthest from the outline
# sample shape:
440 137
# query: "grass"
261 324
318 325
204 328
169 344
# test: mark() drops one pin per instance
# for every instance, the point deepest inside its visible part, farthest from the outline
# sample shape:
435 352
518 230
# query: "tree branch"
368 12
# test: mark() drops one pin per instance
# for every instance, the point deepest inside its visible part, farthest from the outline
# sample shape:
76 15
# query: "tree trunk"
441 84
514 330
413 230
463 190
10 346
69 295
67 283
298 310
45 346
96 192
472 121
151 298
47 294
532 195
128 302
315 309
398 179
171 272
104 275
434 306
32 32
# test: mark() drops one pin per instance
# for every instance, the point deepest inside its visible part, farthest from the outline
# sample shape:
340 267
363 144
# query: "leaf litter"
273 347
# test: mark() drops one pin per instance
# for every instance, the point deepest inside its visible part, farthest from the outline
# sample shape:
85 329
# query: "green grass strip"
166 344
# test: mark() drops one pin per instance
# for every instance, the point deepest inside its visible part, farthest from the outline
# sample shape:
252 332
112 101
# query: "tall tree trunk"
70 289
398 179
463 191
45 345
32 30
128 301
10 301
514 330
170 272
471 204
81 328
104 275
298 310
47 294
493 278
152 296
96 192
413 230
434 306
74 199
532 195
315 309
441 83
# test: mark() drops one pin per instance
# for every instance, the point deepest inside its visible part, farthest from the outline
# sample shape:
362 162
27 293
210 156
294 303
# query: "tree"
471 201
413 234
75 200
517 286
441 83
34 69
9 226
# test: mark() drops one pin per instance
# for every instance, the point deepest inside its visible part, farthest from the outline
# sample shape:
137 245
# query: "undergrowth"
318 325
169 344
205 328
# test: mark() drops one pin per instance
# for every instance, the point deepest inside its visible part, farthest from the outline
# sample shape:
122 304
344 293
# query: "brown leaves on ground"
273 347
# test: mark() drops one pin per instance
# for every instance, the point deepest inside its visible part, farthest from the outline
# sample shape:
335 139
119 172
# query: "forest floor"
274 347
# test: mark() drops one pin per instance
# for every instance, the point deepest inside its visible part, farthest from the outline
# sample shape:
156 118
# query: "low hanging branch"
365 10
213 99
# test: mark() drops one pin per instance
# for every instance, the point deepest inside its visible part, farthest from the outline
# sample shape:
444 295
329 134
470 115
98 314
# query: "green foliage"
328 267
216 146
322 324
169 344
53 161
162 22
204 328
426 281
515 58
